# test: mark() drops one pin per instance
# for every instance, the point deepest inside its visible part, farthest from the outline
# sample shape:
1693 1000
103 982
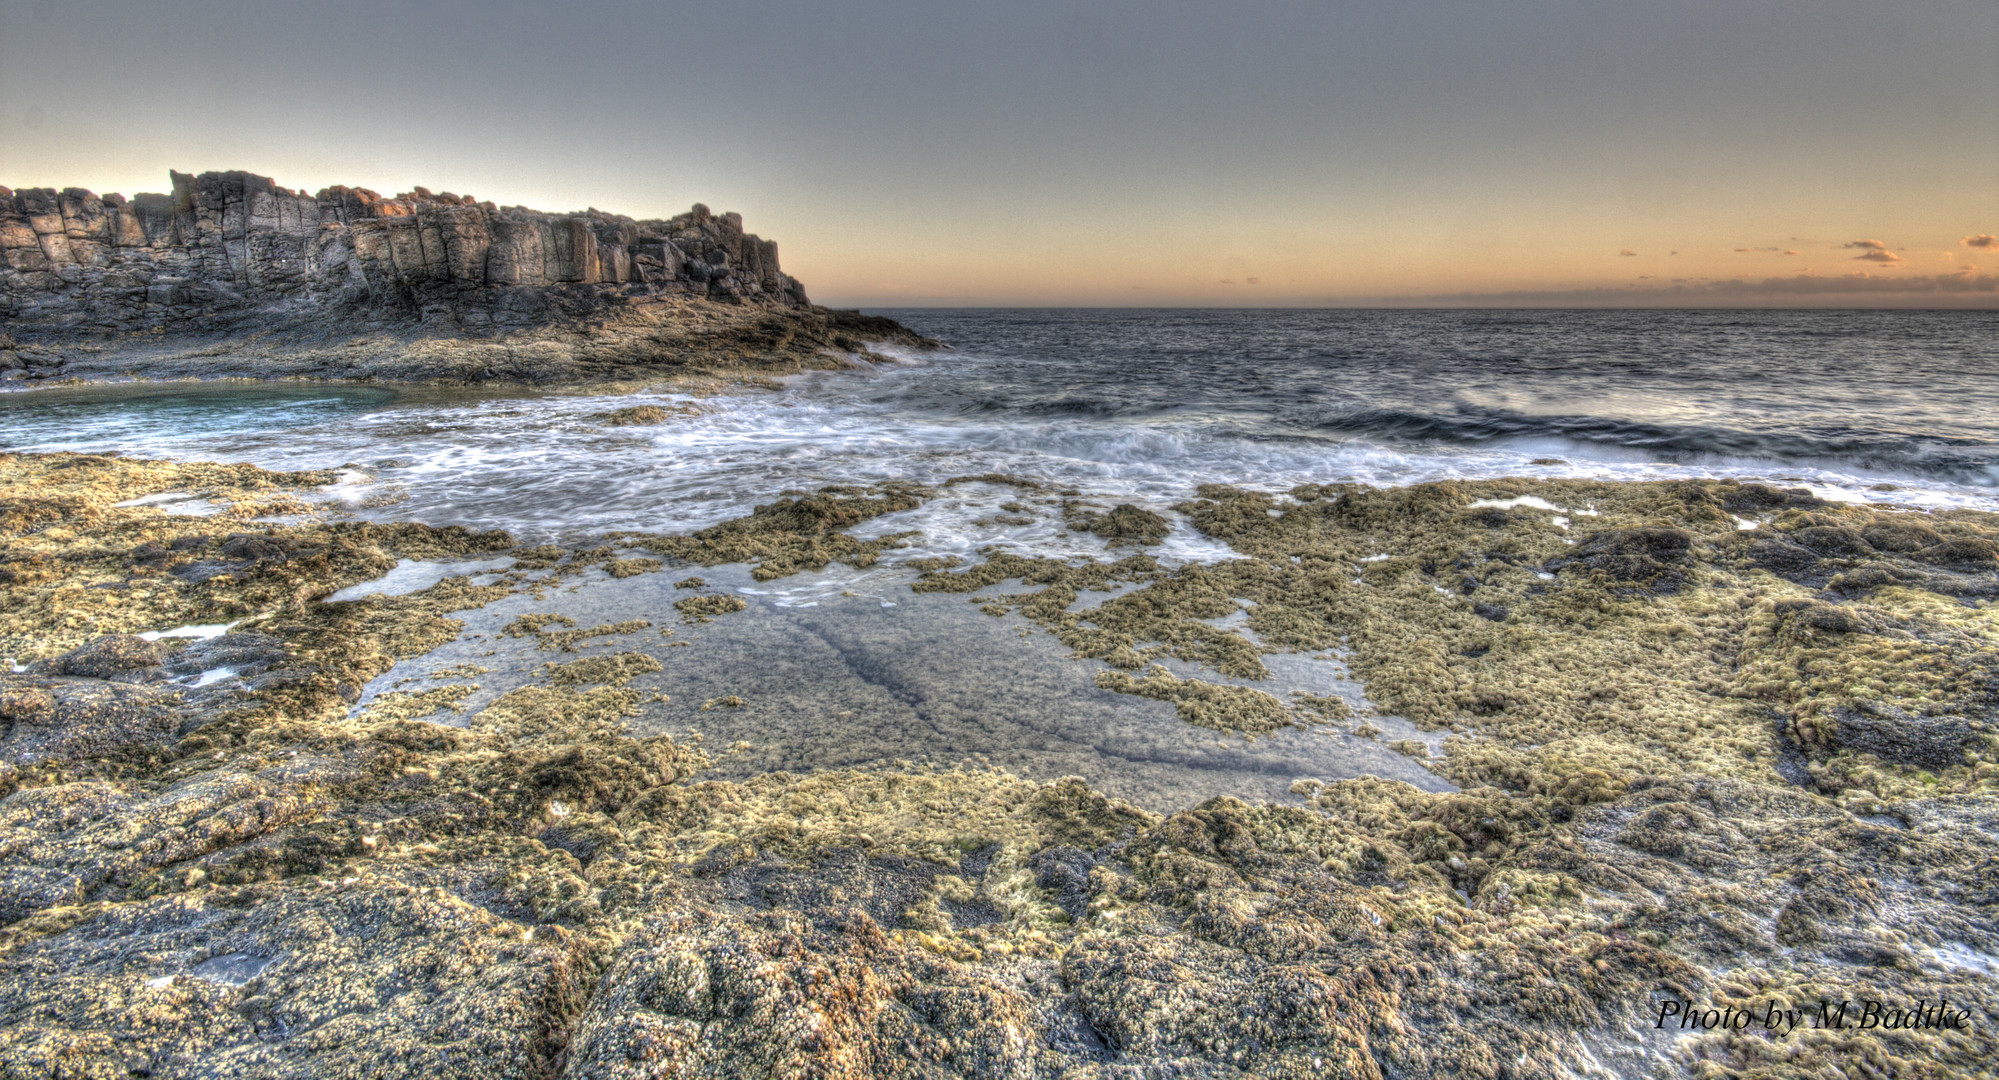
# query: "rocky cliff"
232 275
226 245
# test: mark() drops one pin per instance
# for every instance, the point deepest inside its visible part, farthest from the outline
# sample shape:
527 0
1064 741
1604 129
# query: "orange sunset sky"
1748 152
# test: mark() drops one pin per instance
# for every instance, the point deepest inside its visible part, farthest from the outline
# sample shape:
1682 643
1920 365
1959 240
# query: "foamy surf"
1142 408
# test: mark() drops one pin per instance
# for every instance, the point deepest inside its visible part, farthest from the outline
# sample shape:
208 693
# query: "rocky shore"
1717 745
232 276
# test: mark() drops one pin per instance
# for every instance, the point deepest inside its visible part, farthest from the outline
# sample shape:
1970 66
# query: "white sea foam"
205 630
547 468
160 497
411 575
697 471
208 678
1532 501
176 502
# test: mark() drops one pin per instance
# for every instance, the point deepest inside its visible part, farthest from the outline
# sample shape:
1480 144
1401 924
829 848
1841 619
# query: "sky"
1152 153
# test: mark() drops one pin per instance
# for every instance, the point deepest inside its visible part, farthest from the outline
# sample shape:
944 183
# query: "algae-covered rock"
1688 772
1896 735
113 656
636 414
804 532
1204 704
59 721
1648 555
776 995
707 606
368 978
1122 524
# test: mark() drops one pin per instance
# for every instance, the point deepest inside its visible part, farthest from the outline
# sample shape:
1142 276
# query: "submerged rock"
1122 524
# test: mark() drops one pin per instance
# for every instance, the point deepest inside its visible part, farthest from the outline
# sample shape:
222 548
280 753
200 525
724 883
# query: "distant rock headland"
228 254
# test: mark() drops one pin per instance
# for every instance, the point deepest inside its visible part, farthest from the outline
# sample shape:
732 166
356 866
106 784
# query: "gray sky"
1123 153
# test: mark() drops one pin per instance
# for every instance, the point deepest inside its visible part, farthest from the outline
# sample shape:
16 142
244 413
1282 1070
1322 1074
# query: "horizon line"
1994 308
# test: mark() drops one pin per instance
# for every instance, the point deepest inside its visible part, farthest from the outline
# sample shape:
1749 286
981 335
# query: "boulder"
110 656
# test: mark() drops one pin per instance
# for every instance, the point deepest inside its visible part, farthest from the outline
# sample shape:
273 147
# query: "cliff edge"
233 275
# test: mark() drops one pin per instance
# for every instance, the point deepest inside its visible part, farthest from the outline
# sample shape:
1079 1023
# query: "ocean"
847 667
1141 406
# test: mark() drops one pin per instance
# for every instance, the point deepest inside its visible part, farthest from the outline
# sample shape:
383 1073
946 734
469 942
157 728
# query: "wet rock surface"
1738 789
325 979
49 721
124 657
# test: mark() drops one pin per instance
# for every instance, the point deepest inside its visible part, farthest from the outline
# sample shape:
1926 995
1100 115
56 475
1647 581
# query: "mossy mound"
707 606
804 532
1122 524
634 415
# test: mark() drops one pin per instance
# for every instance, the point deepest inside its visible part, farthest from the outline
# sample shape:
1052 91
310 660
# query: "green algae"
566 640
615 669
1203 704
793 534
415 705
707 606
1122 524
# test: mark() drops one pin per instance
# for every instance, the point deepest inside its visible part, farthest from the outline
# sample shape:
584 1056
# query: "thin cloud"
1964 288
1872 251
1982 240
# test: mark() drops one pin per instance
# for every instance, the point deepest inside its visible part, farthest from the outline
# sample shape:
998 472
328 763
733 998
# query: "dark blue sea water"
1914 395
1143 406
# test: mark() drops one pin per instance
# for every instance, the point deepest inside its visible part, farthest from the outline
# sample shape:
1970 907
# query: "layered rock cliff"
232 275
226 245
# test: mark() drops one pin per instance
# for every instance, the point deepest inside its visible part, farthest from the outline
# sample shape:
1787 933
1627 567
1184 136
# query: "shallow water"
831 681
413 575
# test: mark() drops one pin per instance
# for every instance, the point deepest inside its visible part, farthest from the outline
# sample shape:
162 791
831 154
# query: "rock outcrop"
229 248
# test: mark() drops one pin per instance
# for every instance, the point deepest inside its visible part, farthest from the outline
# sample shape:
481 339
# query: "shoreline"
1646 730
643 342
